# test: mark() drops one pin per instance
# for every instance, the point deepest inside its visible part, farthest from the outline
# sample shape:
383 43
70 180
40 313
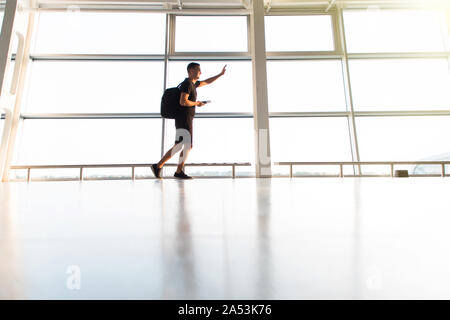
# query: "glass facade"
386 71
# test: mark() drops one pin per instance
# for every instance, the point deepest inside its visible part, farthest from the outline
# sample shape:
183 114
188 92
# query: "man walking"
184 119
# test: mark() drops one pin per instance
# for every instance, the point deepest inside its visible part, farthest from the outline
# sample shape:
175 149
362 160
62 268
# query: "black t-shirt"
188 87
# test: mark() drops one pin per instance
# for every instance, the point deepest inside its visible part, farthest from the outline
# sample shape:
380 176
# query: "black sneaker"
156 170
182 175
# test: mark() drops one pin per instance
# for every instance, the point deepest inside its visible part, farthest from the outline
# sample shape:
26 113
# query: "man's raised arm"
212 79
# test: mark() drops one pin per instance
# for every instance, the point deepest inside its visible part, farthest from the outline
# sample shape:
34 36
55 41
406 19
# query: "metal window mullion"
249 39
348 93
336 35
35 116
172 31
304 55
224 115
405 113
319 11
210 56
398 55
97 57
145 8
166 66
323 114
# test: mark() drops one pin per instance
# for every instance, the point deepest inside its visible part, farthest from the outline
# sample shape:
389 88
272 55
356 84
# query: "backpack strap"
180 84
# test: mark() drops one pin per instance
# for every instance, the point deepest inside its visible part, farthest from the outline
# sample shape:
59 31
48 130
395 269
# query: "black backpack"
170 102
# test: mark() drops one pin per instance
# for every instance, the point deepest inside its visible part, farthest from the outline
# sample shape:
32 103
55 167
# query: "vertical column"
260 100
6 41
22 26
348 92
166 62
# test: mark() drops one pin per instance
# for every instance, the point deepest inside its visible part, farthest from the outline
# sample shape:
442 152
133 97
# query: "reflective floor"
280 238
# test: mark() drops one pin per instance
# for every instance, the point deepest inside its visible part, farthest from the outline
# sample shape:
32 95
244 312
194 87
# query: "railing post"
233 170
81 174
341 169
290 170
392 170
132 173
443 169
28 174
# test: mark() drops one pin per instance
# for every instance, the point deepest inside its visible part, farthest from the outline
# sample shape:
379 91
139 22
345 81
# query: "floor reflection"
264 287
227 239
180 275
11 286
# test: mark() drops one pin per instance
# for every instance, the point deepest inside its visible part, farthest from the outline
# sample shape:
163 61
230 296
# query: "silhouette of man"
184 119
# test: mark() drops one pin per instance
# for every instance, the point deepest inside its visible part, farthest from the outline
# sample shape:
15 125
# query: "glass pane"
305 86
99 141
233 92
309 139
421 84
73 31
299 33
211 34
217 140
404 139
376 30
95 87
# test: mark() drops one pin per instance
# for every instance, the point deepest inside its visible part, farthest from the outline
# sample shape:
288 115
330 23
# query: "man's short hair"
192 65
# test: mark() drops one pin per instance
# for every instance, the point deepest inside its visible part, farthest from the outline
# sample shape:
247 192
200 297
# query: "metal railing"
361 163
233 166
132 166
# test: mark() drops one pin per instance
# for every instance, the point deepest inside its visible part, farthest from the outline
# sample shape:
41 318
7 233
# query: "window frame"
337 52
210 54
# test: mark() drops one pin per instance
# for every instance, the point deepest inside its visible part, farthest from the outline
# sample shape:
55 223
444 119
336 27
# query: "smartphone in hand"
206 101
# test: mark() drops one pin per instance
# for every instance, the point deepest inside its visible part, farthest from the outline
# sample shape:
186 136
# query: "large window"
400 84
90 141
102 83
376 30
299 33
311 140
399 72
300 81
404 139
219 141
230 93
80 32
110 78
211 34
305 86
85 62
95 87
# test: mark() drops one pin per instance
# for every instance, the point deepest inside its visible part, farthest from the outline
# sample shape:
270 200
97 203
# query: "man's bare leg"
169 154
183 157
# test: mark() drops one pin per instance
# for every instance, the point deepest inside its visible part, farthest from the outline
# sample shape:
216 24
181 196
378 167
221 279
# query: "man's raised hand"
223 70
